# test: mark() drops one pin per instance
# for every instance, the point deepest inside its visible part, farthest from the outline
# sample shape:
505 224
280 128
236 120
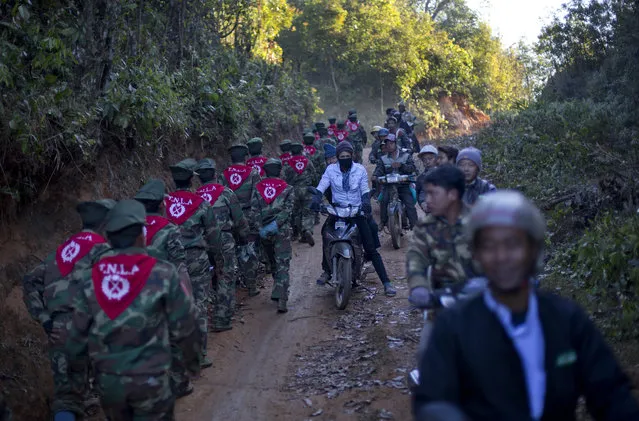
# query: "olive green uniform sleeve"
181 314
256 209
289 174
418 259
33 293
286 210
78 335
409 166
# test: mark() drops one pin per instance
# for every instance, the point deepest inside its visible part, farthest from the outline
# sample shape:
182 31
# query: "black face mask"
345 164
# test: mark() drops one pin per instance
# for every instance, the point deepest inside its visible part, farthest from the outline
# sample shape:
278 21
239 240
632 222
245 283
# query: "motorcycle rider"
515 352
469 161
348 183
428 156
356 136
402 138
447 155
396 161
373 156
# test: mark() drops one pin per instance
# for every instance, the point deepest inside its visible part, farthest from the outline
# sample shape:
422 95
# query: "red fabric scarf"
341 135
118 280
181 205
258 163
236 175
310 149
210 192
285 157
298 163
154 223
270 188
353 127
75 248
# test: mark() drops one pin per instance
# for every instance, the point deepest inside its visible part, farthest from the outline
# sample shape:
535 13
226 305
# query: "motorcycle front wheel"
344 285
395 226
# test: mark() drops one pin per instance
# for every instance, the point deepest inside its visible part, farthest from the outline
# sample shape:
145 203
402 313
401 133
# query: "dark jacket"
472 362
419 186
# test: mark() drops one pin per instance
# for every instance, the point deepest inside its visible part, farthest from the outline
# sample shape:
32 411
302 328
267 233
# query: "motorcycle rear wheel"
344 277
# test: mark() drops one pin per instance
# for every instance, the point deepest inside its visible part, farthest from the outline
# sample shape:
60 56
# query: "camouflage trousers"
303 219
198 264
248 268
223 292
70 378
136 398
358 149
278 249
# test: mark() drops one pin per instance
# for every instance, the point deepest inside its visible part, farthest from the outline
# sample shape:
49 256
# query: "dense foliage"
76 76
576 152
370 53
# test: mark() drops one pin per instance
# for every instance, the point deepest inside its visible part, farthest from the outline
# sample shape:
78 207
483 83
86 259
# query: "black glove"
315 203
366 204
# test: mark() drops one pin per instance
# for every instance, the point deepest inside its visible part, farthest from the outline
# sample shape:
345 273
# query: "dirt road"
314 362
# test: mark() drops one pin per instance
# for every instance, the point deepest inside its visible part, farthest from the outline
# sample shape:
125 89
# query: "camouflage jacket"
245 192
46 288
280 210
357 136
376 152
128 311
165 243
318 161
308 177
198 227
476 189
444 247
385 161
228 214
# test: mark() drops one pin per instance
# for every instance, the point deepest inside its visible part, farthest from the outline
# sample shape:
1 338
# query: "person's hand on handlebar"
420 297
366 204
315 203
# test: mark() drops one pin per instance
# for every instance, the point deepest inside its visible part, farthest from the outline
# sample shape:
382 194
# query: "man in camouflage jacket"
357 136
439 240
242 179
193 215
49 301
229 220
164 241
314 150
272 204
300 173
129 308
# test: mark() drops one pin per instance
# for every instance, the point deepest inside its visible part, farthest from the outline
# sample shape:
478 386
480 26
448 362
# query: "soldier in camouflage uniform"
242 179
357 136
128 311
439 241
164 241
272 205
230 223
48 299
315 153
300 173
285 147
257 160
194 217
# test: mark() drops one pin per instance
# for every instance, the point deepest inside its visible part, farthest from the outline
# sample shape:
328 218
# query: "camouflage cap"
184 169
254 140
153 190
352 111
308 136
354 115
126 213
320 124
206 164
273 161
238 146
332 119
94 211
285 142
296 146
341 123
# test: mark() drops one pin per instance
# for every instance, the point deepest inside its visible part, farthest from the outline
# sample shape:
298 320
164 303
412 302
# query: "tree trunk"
330 60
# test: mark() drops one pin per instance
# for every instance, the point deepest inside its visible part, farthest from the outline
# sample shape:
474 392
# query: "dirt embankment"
37 230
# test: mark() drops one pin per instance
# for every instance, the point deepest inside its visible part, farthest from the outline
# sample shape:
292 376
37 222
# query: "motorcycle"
440 299
397 220
345 251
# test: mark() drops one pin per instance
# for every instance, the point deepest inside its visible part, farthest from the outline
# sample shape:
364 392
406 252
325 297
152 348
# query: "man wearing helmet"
398 162
515 353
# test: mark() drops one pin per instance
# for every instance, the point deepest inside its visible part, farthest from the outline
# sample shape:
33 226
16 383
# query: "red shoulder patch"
181 205
236 175
154 223
75 248
270 188
210 192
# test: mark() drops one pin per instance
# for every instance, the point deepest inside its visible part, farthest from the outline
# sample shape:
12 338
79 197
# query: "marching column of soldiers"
127 303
